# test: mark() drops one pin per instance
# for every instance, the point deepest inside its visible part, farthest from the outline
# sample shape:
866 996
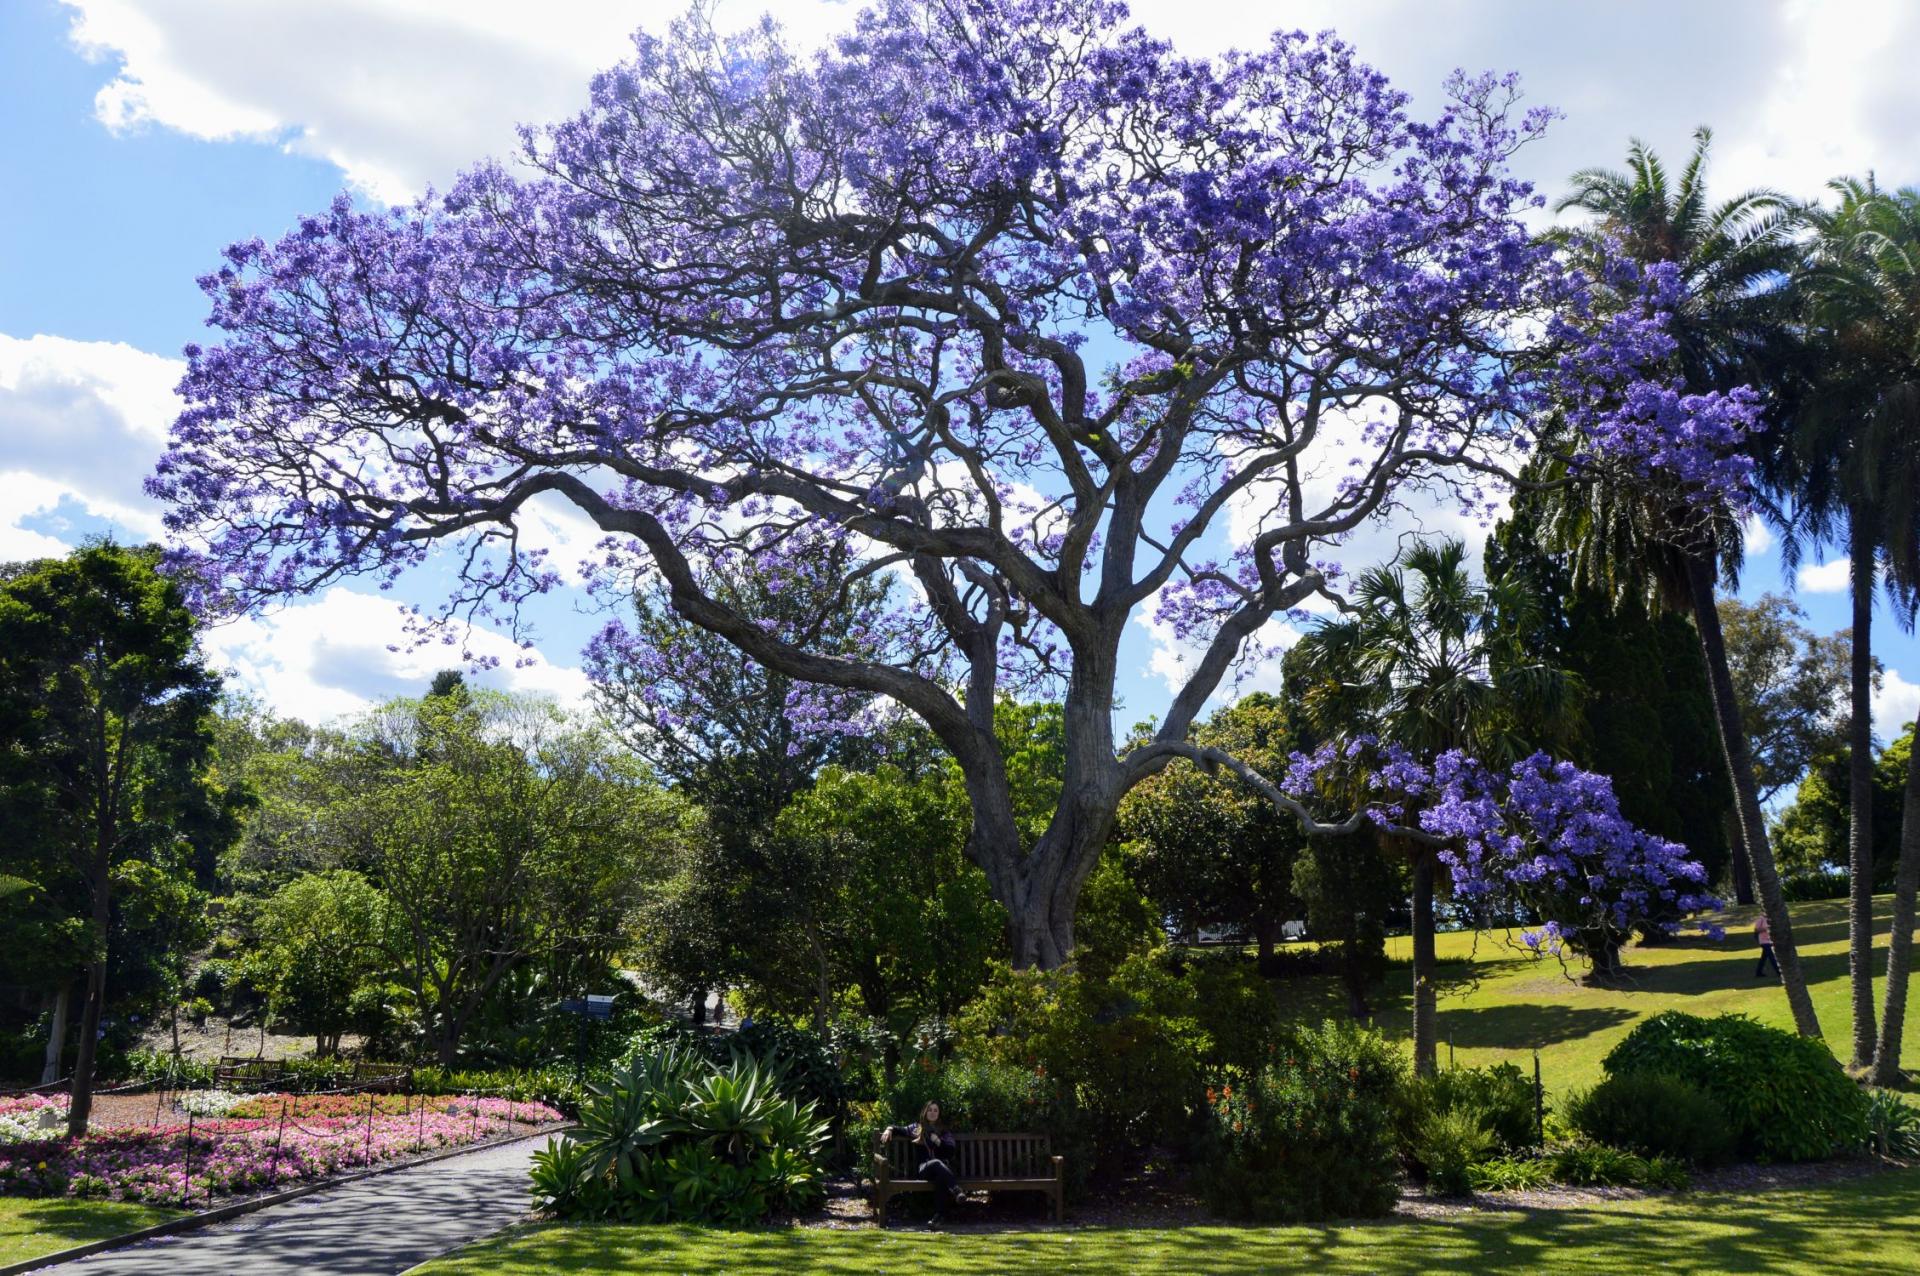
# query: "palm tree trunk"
1753 828
1860 797
1906 883
1426 1015
1742 867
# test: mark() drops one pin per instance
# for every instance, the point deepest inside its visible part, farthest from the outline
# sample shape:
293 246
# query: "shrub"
984 1097
1502 1095
1785 1095
1597 1165
1893 1125
803 1062
1800 888
674 1137
1121 1049
1449 1142
1311 1136
1655 1115
1510 1174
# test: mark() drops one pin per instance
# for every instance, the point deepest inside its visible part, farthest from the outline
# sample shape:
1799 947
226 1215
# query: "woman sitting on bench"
936 1148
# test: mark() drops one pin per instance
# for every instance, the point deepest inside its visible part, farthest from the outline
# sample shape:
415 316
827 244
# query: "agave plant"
731 1109
635 1110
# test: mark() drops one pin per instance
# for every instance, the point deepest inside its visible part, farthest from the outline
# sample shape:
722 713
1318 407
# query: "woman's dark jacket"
937 1145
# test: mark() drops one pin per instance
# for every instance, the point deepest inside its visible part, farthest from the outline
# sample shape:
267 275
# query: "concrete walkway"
379 1225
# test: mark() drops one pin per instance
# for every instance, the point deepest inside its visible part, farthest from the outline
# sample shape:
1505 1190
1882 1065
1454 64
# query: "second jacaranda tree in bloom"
1017 302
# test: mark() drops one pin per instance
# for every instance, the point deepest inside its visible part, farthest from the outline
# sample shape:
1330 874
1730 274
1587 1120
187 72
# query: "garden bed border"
220 1214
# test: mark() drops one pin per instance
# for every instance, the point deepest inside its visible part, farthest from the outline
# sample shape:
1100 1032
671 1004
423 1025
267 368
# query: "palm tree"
1642 538
1430 660
1853 470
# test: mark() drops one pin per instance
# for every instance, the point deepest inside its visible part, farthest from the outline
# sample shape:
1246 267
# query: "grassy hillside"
1498 1002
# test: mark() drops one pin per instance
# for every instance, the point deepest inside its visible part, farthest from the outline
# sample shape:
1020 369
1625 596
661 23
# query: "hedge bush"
1310 1136
1655 1115
1501 1094
984 1097
1785 1095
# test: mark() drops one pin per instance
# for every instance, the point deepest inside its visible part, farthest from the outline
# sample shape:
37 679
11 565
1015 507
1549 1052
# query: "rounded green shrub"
1785 1096
1449 1142
1655 1115
1311 1135
1502 1095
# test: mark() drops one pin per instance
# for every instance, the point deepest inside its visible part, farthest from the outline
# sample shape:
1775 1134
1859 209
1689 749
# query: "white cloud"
1829 577
330 656
395 93
1895 705
1756 536
1172 658
400 93
81 421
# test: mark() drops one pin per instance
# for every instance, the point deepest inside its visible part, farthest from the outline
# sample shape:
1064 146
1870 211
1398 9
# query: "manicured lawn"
30 1228
1870 1225
1497 1003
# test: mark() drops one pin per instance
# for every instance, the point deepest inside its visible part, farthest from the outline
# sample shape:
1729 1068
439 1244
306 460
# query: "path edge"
220 1214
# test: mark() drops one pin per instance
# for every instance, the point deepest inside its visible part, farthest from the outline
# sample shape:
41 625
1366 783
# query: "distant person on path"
935 1146
1764 933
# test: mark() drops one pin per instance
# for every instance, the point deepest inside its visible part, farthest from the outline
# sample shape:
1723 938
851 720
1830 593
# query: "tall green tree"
1432 660
107 706
504 836
1851 472
1208 850
1731 327
734 737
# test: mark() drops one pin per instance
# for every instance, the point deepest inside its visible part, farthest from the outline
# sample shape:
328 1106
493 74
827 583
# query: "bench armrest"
1059 1166
882 1167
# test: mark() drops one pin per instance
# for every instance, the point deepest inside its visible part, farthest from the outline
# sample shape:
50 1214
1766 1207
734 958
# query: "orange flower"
1227 1090
1211 1096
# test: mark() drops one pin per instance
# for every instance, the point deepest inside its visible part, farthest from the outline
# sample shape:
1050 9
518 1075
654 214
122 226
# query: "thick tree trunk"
1753 828
1264 928
1426 1046
1906 883
1860 801
56 1036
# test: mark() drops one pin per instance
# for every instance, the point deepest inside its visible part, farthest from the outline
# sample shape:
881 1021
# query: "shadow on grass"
63 1223
1863 1226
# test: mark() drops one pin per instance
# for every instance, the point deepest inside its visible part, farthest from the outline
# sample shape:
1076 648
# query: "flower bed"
25 1117
239 1155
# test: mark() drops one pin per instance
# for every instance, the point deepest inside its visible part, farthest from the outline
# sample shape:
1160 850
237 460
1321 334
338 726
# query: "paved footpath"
374 1227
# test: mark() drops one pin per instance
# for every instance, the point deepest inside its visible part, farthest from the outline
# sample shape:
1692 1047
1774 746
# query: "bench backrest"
980 1156
232 1068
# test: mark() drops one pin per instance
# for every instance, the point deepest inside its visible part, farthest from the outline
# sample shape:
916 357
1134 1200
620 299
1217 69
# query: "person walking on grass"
1764 934
934 1146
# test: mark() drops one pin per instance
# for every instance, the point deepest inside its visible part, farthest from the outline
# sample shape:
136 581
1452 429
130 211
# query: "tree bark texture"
1906 883
1753 828
56 1036
1860 800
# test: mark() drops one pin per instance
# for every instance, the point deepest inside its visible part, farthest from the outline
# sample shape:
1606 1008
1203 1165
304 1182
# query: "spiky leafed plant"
1432 660
1851 465
1730 328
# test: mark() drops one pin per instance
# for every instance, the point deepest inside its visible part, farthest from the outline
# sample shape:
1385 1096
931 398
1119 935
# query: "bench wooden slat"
982 1160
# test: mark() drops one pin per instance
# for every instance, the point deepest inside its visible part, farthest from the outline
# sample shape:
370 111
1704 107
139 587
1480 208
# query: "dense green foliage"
1785 1096
112 814
672 1136
1311 1134
1207 850
1655 1114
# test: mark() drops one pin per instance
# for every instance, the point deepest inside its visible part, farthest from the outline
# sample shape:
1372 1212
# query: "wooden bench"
236 1071
982 1162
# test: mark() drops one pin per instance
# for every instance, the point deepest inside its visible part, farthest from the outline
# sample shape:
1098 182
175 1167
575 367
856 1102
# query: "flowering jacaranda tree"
1016 301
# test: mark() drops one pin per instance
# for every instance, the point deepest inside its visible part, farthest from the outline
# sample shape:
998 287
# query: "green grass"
1869 1225
1497 1002
30 1227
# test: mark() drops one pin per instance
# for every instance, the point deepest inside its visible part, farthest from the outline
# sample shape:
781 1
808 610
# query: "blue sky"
139 136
